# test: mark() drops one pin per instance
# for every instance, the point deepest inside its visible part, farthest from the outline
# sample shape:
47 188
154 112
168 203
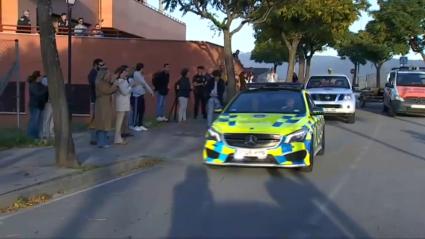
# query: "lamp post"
70 4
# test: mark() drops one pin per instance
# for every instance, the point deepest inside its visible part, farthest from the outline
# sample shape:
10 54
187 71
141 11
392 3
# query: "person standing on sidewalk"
215 89
96 66
183 89
38 99
47 131
138 97
105 88
160 83
24 23
199 83
122 102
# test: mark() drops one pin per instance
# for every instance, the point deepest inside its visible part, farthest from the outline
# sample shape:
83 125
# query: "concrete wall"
115 52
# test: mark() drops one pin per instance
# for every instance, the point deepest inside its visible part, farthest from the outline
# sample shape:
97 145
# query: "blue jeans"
34 123
102 138
212 105
160 105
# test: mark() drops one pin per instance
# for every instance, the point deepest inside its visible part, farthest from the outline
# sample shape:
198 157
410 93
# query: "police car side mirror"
317 111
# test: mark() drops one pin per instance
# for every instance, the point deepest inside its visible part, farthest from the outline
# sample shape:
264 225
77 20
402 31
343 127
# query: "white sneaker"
142 128
159 119
164 119
132 128
138 129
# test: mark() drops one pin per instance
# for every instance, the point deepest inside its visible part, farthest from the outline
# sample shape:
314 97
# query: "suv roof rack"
277 85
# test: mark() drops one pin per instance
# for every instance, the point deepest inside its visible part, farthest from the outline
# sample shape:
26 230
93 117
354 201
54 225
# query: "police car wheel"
322 150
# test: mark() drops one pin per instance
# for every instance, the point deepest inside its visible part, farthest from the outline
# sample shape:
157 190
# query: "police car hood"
259 123
329 90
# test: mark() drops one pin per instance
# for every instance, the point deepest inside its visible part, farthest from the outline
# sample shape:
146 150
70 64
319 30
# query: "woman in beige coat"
105 88
122 101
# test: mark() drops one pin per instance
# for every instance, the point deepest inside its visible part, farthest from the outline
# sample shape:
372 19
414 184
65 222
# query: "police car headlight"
298 136
399 98
213 135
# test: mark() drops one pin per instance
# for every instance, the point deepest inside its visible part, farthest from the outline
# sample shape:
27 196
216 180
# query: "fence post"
18 84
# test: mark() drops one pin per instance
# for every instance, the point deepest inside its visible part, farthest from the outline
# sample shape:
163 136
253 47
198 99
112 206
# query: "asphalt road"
370 183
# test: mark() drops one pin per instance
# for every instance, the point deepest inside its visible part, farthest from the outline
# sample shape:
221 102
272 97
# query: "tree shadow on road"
196 214
390 146
376 108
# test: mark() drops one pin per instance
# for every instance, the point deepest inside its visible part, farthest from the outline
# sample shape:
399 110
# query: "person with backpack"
38 99
183 89
160 82
215 89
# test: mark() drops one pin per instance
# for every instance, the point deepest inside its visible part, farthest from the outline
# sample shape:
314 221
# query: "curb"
78 180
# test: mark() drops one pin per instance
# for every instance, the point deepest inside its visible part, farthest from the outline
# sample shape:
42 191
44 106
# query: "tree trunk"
229 65
301 68
308 68
355 73
64 144
292 53
378 74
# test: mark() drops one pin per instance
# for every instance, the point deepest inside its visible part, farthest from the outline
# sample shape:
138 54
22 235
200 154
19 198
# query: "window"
328 81
277 101
8 98
411 79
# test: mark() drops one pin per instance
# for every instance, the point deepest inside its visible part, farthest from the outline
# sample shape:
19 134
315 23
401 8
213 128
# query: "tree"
353 47
404 21
378 49
294 19
64 144
222 13
269 51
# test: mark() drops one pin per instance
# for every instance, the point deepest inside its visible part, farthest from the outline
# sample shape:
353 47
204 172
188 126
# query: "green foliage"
269 51
352 46
10 138
404 22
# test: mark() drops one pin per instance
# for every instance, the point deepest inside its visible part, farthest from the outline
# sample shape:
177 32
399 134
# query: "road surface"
370 183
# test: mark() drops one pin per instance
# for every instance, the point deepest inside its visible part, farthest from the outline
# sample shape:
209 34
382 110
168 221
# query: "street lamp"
70 4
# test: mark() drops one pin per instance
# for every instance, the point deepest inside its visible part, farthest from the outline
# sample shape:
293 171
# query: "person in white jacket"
272 76
122 101
138 97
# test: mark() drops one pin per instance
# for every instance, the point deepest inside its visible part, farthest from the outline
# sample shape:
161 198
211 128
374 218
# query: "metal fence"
12 89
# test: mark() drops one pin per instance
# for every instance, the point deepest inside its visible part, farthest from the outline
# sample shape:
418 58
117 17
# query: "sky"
200 30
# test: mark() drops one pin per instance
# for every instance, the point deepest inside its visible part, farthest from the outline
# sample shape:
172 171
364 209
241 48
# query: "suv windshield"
260 101
328 82
410 79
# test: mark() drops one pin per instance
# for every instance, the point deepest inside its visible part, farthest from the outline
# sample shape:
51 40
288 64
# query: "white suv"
334 94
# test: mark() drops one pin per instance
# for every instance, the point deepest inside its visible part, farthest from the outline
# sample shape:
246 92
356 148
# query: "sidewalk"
24 168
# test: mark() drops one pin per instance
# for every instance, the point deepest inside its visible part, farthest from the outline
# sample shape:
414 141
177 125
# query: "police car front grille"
324 97
252 140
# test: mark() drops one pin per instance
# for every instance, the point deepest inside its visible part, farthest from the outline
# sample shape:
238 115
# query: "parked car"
334 94
405 91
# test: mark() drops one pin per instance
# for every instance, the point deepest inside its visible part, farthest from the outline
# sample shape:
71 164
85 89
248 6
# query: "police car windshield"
328 82
273 101
411 79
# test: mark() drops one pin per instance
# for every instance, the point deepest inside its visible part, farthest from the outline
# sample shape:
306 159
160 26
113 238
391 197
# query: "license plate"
417 106
329 109
256 153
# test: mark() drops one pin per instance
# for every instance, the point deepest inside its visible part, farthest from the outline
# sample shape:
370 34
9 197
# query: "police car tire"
322 150
309 168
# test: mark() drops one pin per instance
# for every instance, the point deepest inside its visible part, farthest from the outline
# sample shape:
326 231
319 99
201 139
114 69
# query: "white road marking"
69 195
315 218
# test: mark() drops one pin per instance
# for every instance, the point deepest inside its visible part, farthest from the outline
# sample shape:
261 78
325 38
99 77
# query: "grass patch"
23 202
152 123
11 138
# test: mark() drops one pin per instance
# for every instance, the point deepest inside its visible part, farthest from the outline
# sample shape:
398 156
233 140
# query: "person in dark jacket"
24 23
97 65
215 89
199 82
63 24
160 82
38 99
183 89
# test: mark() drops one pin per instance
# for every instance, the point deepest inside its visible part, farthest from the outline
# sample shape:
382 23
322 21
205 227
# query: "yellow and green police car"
268 125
